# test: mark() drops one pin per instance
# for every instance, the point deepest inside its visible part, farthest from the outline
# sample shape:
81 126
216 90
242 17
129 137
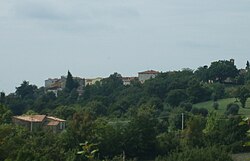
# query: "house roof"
55 119
128 78
53 123
31 118
149 72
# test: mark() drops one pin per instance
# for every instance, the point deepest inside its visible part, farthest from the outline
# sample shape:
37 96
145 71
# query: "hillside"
223 105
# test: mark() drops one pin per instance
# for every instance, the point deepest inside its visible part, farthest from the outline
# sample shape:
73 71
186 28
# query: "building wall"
92 81
35 126
143 77
32 126
50 82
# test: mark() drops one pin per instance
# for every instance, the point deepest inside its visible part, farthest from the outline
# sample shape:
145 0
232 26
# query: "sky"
41 39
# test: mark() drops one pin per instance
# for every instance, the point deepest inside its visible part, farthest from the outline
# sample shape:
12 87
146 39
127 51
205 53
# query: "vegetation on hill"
176 116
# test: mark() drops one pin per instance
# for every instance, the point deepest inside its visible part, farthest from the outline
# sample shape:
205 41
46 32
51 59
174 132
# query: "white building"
92 81
149 74
127 80
55 85
49 82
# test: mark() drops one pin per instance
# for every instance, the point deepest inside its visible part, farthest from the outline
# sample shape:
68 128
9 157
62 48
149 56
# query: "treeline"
142 121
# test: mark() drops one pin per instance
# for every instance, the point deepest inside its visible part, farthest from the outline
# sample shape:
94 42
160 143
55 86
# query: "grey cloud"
41 11
75 10
76 16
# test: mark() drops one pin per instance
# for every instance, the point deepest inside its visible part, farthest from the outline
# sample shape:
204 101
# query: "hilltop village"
184 115
58 84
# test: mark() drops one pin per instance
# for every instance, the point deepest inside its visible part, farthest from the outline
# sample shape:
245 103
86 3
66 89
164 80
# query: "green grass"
241 157
223 105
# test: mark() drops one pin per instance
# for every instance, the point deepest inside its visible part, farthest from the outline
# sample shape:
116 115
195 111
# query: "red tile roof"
55 119
53 123
149 72
128 78
31 118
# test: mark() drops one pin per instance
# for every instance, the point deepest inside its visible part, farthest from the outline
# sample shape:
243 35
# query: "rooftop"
55 119
31 118
149 72
53 123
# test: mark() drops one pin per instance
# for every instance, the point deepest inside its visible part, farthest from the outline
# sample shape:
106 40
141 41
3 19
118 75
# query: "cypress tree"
70 83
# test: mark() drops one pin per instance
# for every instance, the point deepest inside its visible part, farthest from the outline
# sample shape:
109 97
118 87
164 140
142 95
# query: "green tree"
232 109
167 143
140 136
199 111
197 92
231 133
70 83
88 150
218 90
111 84
97 108
199 154
247 65
212 122
221 70
26 91
243 93
175 119
110 136
202 73
80 128
176 96
2 97
194 131
5 114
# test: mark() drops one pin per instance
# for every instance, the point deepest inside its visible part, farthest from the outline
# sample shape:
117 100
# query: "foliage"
197 92
5 114
229 132
140 134
243 93
197 154
176 96
194 136
218 91
2 97
88 150
175 119
26 91
216 105
186 106
167 143
232 109
70 83
221 70
137 120
199 111
202 73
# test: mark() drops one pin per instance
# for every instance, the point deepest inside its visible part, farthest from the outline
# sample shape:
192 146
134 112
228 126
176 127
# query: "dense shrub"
216 105
203 154
199 111
232 109
186 106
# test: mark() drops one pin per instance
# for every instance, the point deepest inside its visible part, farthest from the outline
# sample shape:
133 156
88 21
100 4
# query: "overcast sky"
42 39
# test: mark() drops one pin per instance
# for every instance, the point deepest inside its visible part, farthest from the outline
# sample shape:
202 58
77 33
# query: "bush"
232 109
186 106
216 105
203 154
199 111
167 143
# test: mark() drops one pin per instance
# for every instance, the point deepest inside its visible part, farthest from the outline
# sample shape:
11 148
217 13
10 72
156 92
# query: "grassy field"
223 105
241 157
